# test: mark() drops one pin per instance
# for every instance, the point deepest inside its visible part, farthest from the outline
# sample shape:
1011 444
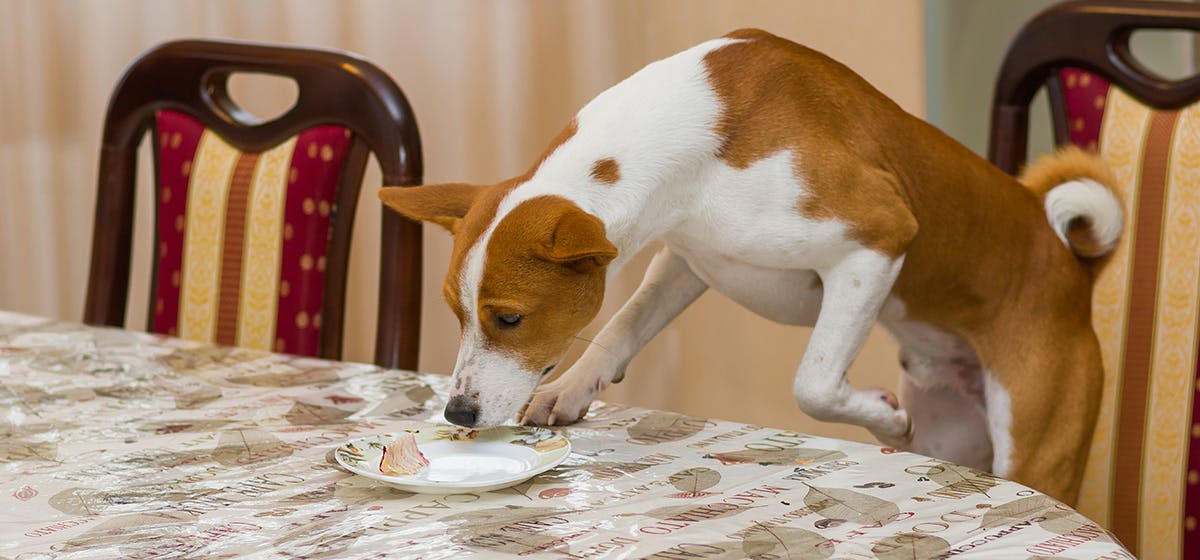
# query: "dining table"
124 444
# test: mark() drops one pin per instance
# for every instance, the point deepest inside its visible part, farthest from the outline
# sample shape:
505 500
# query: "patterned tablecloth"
127 445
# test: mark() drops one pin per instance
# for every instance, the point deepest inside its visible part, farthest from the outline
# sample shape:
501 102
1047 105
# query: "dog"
785 181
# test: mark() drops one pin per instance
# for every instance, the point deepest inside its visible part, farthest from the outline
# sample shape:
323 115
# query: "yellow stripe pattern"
1122 139
208 190
1173 366
1167 429
262 252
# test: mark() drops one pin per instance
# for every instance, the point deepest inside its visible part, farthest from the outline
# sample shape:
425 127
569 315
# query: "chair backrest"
1143 474
253 219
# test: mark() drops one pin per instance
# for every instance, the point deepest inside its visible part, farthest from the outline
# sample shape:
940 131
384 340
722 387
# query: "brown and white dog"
782 179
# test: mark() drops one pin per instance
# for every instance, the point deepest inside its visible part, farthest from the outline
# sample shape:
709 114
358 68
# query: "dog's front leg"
668 287
855 289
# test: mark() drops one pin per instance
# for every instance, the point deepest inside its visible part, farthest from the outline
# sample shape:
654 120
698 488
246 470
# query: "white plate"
461 459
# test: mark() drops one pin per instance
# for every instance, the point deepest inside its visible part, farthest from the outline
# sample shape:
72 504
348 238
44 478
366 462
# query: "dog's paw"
557 403
899 434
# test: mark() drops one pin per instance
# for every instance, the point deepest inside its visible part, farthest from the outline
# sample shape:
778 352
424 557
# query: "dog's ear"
444 204
578 241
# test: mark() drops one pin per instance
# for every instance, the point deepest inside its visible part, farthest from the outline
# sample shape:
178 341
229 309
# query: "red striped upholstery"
1142 477
243 237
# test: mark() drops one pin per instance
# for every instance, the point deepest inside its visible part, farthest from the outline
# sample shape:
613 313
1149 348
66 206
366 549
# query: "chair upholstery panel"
177 138
1146 312
1084 96
312 190
244 236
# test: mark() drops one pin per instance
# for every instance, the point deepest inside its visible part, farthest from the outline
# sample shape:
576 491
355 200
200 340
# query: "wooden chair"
253 219
1143 473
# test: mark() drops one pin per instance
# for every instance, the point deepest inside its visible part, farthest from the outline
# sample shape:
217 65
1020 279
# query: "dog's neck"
635 212
657 127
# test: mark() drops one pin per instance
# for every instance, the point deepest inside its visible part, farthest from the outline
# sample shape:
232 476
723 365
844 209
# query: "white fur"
658 124
1089 199
999 415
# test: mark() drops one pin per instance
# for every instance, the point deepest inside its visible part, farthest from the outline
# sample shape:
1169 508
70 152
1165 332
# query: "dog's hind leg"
1043 396
668 287
856 286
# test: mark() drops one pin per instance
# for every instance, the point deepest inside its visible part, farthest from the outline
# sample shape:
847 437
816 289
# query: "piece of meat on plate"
401 457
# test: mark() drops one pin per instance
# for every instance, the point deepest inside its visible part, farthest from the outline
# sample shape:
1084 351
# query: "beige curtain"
491 82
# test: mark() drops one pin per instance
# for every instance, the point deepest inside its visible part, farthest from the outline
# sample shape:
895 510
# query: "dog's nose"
462 411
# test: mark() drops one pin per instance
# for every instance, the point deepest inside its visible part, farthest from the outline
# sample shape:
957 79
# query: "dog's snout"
460 410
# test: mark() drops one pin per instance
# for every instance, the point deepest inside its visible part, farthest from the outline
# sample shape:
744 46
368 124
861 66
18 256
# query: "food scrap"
401 457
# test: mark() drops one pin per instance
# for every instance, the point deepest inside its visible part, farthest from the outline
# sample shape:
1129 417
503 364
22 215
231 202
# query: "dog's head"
525 277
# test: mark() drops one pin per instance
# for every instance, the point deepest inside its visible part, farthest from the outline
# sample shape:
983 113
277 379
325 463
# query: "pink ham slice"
401 457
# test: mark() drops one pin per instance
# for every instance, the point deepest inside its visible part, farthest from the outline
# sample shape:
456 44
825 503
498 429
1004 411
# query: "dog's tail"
1076 188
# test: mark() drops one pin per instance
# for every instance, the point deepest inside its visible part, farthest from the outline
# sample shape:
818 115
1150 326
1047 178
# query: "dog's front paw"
557 403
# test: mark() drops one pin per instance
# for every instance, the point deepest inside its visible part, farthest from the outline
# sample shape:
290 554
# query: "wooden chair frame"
1091 36
335 88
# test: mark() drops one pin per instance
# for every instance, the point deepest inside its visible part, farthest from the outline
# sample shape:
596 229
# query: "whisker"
594 343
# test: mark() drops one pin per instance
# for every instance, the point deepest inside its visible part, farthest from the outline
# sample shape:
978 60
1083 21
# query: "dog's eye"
508 320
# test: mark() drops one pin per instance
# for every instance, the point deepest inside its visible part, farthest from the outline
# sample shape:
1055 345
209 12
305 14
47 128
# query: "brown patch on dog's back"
792 115
606 171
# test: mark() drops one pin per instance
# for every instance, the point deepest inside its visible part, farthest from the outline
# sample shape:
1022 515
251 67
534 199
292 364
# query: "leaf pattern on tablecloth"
248 446
132 498
130 391
197 396
907 546
307 413
786 542
403 403
791 456
855 507
28 395
602 471
694 512
330 536
192 426
286 377
189 359
360 491
1048 510
32 450
511 529
420 393
124 529
661 427
957 481
693 482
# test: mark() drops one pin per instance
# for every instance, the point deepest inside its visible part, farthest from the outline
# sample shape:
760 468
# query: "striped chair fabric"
1143 473
243 236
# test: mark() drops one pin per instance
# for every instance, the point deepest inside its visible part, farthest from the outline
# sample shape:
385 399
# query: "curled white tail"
1076 189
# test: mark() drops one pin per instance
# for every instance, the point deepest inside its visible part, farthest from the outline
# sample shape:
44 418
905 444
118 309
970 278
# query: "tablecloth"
117 444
